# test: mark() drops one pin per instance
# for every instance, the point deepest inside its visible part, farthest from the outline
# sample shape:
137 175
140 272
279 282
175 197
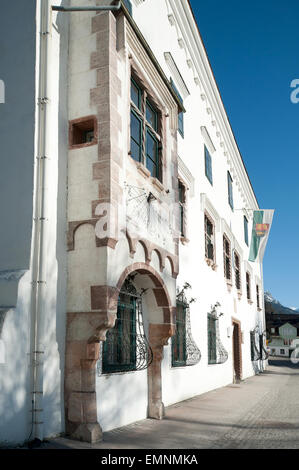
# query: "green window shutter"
208 165
178 344
230 190
211 340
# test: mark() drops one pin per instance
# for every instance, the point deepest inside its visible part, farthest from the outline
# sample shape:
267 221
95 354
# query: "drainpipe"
39 248
97 8
39 251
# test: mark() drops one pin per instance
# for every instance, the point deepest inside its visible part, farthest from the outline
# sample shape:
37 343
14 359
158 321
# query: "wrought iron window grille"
126 347
263 352
217 353
258 351
255 353
189 354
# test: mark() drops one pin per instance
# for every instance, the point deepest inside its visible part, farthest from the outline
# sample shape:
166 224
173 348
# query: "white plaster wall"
208 286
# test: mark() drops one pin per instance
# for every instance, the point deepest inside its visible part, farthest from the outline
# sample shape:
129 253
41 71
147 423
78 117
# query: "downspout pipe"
39 245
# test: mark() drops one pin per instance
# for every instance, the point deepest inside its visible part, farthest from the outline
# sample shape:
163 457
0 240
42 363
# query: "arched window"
126 347
119 349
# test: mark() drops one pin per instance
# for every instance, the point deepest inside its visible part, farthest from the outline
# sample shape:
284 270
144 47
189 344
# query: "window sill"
83 145
157 184
143 170
211 263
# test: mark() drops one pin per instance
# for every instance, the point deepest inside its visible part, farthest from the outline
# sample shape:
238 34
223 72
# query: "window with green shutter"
230 190
212 354
179 354
208 166
209 239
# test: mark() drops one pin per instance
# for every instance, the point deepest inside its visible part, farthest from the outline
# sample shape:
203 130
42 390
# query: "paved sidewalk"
260 413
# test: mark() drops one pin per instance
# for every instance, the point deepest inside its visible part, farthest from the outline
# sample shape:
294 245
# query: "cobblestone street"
262 412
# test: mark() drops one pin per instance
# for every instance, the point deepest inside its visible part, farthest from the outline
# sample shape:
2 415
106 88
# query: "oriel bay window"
146 142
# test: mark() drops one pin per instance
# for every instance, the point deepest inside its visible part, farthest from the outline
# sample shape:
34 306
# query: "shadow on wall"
62 24
14 374
122 398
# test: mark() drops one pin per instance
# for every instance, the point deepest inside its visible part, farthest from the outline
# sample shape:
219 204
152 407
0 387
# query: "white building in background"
150 299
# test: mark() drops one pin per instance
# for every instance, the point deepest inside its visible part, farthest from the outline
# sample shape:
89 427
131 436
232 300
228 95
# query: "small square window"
82 132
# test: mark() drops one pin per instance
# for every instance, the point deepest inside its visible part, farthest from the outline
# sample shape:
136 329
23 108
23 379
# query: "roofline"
152 56
221 99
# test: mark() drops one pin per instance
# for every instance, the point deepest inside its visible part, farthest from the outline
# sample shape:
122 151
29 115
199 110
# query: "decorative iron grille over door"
126 347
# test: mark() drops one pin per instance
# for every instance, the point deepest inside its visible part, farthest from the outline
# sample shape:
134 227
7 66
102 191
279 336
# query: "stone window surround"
210 262
79 121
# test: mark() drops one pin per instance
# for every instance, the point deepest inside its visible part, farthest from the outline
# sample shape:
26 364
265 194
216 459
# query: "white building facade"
139 293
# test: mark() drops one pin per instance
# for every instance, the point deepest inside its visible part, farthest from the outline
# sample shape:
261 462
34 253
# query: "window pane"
151 116
135 94
150 165
135 151
211 340
181 123
151 154
135 128
208 166
135 138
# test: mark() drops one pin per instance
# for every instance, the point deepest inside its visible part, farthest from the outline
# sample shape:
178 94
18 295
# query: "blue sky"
253 48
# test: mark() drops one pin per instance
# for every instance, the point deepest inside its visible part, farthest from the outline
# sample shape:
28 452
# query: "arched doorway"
86 330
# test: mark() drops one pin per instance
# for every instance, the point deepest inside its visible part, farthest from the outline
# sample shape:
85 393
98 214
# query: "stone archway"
85 331
159 333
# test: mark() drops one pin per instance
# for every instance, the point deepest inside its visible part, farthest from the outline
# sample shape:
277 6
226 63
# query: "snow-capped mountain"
274 306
